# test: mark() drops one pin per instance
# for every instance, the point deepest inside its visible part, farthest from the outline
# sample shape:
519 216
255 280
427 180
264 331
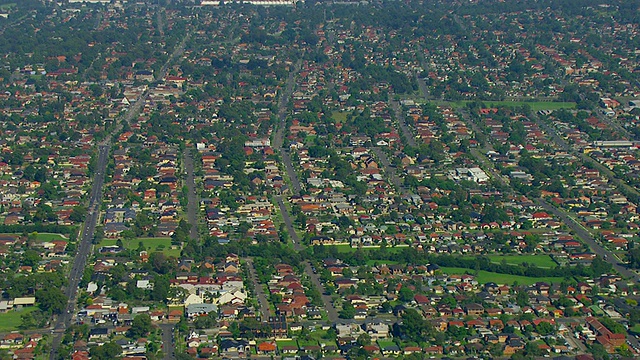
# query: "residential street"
259 289
589 240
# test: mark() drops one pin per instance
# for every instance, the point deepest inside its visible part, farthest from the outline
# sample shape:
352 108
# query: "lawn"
541 261
484 277
50 237
383 343
283 343
535 105
381 262
151 244
635 329
10 321
339 116
310 342
346 248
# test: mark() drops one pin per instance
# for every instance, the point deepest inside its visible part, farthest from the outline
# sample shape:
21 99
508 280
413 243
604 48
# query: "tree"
364 339
78 214
30 258
51 299
414 327
405 294
108 351
348 311
140 326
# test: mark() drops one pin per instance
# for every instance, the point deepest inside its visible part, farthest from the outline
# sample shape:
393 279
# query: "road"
193 204
402 123
622 186
84 249
62 322
167 341
277 143
259 289
586 237
332 313
390 171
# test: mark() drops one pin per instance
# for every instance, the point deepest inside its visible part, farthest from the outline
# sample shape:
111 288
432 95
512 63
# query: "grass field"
385 342
310 342
484 277
339 116
541 261
535 105
151 244
381 262
50 237
346 248
635 329
11 320
282 343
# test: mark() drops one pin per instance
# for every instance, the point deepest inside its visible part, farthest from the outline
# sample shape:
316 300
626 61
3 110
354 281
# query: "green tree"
78 214
108 351
347 312
414 327
51 299
140 326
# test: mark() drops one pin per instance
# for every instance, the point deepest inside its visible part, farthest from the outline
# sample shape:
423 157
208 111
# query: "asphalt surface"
63 321
332 313
167 341
84 249
265 311
277 144
586 237
400 118
390 171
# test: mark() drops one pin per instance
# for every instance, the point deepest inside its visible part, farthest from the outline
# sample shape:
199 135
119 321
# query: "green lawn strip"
383 343
484 277
283 343
381 262
50 237
541 261
151 244
346 248
309 342
339 116
635 329
10 321
534 105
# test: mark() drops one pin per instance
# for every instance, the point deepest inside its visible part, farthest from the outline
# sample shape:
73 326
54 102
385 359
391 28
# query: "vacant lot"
534 105
50 237
484 277
11 320
541 261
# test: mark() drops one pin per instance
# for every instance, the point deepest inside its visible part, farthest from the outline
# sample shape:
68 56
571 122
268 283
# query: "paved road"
193 204
332 313
63 321
400 118
167 341
278 137
623 187
84 249
586 237
278 141
265 310
390 171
